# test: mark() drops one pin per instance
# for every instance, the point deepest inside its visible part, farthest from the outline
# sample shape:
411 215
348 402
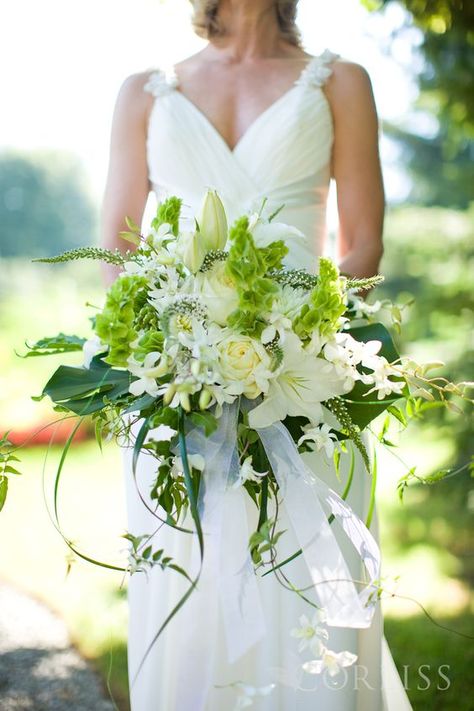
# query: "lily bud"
192 250
212 222
204 398
169 394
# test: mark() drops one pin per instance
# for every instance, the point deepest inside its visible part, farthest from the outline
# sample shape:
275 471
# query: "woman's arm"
127 185
356 170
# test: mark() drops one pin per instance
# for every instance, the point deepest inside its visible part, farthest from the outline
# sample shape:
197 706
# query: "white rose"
244 361
218 293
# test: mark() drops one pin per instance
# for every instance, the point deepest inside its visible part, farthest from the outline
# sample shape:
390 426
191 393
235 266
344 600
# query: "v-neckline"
251 127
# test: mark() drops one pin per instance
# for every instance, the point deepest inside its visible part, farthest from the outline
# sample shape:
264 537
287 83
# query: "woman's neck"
251 30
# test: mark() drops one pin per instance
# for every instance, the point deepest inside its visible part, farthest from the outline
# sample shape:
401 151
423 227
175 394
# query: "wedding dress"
284 156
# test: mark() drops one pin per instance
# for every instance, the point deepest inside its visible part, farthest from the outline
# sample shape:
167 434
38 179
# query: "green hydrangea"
150 342
168 211
326 303
114 325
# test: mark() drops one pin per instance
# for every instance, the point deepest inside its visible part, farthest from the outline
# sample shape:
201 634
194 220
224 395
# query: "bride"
253 116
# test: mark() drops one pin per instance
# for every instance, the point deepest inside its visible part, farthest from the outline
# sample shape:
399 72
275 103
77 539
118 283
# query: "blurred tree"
446 93
45 207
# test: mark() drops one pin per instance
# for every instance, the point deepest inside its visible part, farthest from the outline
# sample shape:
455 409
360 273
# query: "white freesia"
321 436
247 473
301 384
331 661
147 373
91 348
217 291
310 633
245 365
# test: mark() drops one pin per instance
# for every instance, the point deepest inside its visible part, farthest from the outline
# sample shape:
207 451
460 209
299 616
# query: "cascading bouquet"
250 364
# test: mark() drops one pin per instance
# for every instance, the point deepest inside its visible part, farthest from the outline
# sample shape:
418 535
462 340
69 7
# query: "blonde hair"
206 23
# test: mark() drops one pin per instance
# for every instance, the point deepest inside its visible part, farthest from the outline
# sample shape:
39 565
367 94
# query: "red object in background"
56 433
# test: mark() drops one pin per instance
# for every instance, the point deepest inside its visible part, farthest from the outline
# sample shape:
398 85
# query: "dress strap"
318 70
161 82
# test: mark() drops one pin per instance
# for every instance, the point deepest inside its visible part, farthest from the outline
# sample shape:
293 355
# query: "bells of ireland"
212 222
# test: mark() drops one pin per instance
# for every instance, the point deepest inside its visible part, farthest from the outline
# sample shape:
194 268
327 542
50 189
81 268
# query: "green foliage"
441 165
168 211
104 255
114 325
327 303
6 468
44 204
55 346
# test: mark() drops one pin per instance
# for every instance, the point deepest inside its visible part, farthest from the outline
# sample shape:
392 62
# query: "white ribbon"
227 575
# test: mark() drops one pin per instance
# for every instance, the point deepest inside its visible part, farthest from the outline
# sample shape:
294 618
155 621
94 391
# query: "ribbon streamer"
227 577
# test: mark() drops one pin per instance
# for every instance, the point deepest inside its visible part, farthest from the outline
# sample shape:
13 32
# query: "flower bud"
205 398
212 222
169 394
192 250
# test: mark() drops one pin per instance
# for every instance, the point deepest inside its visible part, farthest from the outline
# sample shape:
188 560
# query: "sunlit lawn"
92 512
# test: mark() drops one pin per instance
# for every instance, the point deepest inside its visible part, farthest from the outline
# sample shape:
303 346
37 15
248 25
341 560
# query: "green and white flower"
321 436
247 473
332 662
217 290
310 633
147 373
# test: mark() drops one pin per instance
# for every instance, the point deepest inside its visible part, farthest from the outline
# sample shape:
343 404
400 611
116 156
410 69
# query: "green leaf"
55 345
206 420
81 390
3 490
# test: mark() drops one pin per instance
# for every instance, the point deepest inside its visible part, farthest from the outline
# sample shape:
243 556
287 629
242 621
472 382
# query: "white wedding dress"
284 156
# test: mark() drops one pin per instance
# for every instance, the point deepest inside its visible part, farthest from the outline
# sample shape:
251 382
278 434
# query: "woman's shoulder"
349 87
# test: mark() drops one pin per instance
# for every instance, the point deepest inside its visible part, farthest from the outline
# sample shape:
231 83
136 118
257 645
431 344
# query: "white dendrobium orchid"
310 633
301 384
346 354
361 308
196 461
331 661
250 693
383 386
247 473
322 437
147 372
158 235
90 349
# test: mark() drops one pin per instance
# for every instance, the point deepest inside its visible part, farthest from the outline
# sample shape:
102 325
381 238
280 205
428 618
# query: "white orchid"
361 308
331 661
247 473
310 633
321 436
249 693
300 385
383 386
158 235
346 354
196 461
147 372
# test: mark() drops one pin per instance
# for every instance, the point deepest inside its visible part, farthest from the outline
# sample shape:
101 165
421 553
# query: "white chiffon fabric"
284 156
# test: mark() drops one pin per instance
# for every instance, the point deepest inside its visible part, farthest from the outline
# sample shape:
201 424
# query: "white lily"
331 661
299 387
310 633
147 372
264 232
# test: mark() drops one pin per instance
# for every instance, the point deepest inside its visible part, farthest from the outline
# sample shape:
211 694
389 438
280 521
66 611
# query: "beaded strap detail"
318 70
161 82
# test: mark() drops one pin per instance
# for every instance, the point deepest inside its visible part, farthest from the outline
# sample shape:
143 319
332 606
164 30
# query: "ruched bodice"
283 156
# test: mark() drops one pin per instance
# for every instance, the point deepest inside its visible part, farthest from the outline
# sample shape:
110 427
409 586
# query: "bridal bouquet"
250 364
